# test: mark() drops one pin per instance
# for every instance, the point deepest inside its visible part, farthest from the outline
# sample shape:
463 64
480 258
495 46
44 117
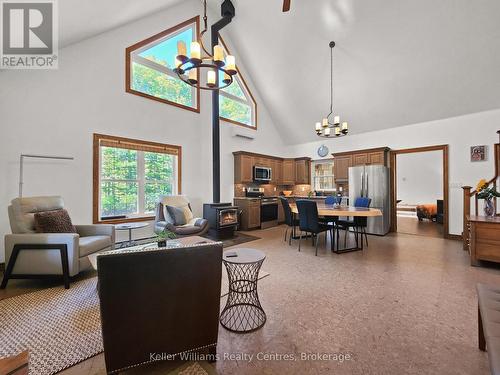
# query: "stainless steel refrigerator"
372 181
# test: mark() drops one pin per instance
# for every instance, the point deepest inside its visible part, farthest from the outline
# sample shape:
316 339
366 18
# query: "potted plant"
164 236
487 193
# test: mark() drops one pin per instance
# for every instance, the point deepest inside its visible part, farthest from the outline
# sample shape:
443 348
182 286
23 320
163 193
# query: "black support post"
227 11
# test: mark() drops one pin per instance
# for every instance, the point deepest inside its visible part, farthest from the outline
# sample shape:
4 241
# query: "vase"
489 207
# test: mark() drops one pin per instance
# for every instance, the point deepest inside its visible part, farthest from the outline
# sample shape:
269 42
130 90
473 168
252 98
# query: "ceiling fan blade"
286 5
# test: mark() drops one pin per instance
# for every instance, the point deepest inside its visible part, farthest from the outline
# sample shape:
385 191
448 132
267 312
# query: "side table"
243 311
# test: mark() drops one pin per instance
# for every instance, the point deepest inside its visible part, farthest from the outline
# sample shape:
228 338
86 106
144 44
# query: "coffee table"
130 227
183 242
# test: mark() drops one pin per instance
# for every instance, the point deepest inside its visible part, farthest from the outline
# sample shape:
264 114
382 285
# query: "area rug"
60 327
194 368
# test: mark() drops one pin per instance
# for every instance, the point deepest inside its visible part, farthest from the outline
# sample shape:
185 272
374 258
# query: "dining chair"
332 200
358 223
290 219
309 221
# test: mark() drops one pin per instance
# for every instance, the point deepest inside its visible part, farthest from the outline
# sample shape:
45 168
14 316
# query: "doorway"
419 191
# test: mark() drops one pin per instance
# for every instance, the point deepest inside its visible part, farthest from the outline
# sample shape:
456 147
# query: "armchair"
29 254
194 227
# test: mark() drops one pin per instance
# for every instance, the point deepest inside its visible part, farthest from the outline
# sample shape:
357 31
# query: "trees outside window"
131 175
149 65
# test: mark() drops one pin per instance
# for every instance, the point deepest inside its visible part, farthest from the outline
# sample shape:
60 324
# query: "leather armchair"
41 259
163 301
194 227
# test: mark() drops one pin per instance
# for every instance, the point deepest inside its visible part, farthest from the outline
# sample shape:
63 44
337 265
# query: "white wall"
56 112
460 133
420 177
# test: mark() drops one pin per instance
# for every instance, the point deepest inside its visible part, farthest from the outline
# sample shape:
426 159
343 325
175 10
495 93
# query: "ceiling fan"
286 5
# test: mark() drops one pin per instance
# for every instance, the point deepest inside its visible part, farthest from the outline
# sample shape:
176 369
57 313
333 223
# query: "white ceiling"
397 62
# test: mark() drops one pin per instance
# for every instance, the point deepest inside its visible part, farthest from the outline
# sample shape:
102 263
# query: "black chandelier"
331 126
188 69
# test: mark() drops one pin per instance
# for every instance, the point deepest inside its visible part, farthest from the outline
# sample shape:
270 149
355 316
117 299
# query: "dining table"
335 210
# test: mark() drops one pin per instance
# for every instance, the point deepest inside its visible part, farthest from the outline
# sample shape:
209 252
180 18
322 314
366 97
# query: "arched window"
149 66
236 103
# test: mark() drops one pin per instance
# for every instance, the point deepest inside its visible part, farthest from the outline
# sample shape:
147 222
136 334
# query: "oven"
262 174
268 212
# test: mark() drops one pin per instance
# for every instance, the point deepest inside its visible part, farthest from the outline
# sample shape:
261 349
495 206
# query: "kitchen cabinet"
377 158
243 169
277 171
359 159
341 166
250 212
288 172
302 171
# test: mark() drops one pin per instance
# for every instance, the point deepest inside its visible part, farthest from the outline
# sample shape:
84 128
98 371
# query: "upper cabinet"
341 166
344 160
243 168
288 172
303 171
284 171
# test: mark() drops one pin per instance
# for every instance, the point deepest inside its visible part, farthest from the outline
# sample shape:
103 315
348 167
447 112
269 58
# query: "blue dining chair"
358 223
309 221
332 200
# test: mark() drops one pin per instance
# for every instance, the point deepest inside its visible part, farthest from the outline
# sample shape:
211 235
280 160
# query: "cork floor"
405 305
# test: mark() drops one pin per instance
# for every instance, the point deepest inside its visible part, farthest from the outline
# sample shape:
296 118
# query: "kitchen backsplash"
270 190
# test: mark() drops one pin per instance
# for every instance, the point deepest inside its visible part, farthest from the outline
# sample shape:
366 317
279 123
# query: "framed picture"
478 153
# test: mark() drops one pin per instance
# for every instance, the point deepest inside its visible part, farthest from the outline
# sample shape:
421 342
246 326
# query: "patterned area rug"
194 368
60 327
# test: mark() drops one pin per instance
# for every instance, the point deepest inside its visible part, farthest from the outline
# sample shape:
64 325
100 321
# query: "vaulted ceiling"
397 62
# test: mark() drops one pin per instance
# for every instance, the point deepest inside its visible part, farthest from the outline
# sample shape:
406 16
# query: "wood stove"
223 219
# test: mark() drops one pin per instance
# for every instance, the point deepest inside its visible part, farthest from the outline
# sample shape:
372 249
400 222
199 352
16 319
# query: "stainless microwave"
262 174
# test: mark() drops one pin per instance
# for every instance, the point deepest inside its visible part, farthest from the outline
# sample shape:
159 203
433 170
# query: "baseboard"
455 237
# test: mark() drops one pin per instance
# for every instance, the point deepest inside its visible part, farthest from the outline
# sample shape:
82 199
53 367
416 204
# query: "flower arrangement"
485 192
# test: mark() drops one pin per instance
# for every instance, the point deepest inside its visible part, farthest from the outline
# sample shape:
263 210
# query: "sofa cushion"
178 214
57 221
92 244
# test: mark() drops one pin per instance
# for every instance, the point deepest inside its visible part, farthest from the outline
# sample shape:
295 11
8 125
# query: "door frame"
393 176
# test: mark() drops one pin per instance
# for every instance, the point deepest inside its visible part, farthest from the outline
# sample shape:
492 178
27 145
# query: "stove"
223 219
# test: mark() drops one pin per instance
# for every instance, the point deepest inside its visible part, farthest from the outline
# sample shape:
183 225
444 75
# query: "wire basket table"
243 312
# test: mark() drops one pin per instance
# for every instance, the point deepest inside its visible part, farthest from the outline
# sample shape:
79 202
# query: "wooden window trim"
132 48
145 146
240 76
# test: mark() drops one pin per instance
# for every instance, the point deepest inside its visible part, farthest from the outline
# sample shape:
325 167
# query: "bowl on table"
287 193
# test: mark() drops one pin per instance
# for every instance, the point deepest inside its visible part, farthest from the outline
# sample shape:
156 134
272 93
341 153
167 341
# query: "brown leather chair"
159 302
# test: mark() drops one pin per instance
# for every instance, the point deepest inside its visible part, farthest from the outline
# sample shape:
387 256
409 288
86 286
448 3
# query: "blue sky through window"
165 52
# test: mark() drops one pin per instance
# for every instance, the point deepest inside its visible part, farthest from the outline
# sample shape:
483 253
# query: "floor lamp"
21 166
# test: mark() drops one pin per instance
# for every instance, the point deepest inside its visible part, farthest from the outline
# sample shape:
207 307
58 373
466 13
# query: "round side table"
243 311
130 227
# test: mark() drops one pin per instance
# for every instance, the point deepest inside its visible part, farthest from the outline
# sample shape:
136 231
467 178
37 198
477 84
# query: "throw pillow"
57 221
177 214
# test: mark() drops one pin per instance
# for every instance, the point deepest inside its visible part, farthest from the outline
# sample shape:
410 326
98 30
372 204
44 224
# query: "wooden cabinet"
250 212
243 169
277 171
376 158
288 177
359 159
302 171
484 239
341 166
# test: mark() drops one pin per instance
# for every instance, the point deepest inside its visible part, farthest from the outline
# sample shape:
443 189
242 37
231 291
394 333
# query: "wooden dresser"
484 239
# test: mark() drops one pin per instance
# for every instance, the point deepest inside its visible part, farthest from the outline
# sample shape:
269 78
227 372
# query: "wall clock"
323 151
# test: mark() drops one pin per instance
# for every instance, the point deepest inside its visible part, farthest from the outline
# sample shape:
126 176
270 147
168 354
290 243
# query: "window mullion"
141 182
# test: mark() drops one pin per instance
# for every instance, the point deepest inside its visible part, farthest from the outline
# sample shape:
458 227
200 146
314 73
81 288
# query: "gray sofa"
194 227
31 255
